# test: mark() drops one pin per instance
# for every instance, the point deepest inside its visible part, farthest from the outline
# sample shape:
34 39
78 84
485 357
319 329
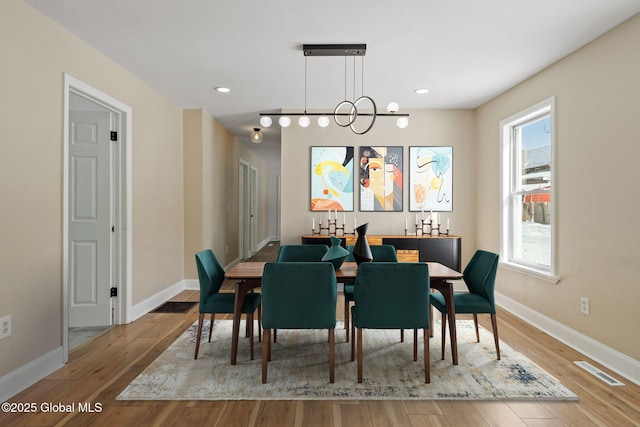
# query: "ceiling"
464 51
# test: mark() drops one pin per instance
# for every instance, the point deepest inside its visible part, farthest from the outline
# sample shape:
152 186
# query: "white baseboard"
606 356
29 374
142 308
192 284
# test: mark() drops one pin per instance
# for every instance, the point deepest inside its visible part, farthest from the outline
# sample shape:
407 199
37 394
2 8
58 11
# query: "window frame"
508 178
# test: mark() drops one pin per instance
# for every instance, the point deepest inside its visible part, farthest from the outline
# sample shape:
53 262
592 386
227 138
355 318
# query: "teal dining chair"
212 301
480 277
381 253
300 253
298 295
405 305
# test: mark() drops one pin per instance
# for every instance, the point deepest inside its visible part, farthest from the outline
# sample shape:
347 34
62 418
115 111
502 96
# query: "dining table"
248 276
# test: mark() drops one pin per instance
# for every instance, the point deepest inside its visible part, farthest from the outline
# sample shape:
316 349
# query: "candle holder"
332 229
429 228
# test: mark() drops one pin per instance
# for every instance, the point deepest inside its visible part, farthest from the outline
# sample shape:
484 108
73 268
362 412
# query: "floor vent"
599 373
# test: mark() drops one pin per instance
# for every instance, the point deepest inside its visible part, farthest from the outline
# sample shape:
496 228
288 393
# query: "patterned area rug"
300 369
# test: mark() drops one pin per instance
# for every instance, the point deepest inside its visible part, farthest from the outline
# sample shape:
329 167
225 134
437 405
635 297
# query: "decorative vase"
362 251
336 254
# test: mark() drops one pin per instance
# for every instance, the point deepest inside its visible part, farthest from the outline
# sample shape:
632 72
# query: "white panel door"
89 219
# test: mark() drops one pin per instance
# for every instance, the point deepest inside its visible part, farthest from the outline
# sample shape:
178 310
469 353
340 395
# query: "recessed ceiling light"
222 89
421 91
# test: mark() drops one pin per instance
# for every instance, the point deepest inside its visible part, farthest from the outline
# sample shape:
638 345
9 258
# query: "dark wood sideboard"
443 249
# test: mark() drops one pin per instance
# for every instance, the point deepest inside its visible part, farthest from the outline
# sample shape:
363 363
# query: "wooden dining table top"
349 270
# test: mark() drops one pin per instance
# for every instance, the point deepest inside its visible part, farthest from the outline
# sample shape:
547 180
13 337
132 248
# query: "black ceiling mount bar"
334 49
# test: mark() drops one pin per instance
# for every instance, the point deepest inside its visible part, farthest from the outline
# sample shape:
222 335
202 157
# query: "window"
528 182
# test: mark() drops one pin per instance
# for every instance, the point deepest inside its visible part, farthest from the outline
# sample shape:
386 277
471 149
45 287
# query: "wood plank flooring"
100 369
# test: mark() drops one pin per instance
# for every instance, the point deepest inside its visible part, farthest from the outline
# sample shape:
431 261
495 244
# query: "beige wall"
597 89
426 127
211 168
35 53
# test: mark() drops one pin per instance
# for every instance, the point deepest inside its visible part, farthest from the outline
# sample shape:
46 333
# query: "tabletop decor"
361 250
298 370
336 254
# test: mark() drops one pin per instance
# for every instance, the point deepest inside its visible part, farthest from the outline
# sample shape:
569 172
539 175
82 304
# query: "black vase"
362 251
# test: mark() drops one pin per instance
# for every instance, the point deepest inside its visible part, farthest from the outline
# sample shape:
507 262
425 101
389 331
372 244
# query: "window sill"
531 272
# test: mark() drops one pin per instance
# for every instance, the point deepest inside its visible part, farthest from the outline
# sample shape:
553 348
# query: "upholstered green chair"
302 253
381 253
392 295
211 276
480 278
298 295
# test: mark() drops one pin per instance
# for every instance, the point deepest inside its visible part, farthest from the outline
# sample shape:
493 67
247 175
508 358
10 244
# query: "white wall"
597 89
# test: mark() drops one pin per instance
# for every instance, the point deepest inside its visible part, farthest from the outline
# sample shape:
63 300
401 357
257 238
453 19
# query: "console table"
443 249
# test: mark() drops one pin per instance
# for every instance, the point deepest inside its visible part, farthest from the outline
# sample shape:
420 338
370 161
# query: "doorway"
97 210
247 209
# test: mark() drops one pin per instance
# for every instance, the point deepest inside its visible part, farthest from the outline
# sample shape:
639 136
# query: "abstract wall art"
381 179
331 178
431 179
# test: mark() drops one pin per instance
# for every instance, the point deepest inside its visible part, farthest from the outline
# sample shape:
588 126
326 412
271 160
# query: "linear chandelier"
346 113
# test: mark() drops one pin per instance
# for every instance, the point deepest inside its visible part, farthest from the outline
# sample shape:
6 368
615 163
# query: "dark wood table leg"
451 311
446 288
237 312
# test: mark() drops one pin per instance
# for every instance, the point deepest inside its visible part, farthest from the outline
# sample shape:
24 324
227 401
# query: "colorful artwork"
332 178
381 178
431 179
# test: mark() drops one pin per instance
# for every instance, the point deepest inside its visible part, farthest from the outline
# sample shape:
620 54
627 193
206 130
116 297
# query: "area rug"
300 369
174 307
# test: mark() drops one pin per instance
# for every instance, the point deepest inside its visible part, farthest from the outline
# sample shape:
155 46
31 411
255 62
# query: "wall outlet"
5 326
584 305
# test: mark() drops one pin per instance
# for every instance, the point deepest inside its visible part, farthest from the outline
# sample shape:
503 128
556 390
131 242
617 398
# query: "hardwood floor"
99 370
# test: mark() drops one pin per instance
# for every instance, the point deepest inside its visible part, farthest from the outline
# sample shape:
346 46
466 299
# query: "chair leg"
250 323
353 342
431 319
260 323
427 362
475 322
200 320
401 335
415 345
211 322
266 341
359 355
275 335
444 335
346 317
332 355
494 324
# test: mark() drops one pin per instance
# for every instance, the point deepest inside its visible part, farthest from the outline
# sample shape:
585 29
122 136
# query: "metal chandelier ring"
373 116
352 114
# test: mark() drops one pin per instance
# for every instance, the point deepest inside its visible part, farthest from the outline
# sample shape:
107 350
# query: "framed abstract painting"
431 179
331 178
381 179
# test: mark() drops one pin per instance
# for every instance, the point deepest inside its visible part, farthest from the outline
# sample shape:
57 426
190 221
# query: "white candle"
313 226
344 219
354 223
447 223
416 218
406 224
